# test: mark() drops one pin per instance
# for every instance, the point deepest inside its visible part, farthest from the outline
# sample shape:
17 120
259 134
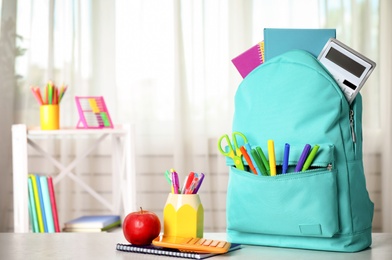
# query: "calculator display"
345 62
349 68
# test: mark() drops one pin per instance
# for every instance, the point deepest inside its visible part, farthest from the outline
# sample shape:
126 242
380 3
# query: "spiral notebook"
250 59
163 251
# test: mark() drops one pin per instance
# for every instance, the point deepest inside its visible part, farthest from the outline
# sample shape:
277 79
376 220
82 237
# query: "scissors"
233 153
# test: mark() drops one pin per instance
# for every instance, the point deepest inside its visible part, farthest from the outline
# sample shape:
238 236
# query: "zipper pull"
329 167
352 125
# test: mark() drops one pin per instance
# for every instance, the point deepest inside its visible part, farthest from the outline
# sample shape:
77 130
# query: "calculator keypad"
192 244
203 242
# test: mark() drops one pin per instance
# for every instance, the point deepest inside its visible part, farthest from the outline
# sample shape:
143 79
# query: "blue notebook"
93 221
47 206
41 201
279 40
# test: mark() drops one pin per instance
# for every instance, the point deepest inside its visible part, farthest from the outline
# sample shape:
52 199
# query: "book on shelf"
164 251
46 204
93 223
32 207
42 204
53 204
37 204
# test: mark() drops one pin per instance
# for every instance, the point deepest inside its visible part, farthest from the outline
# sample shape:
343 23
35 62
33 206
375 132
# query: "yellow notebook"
37 203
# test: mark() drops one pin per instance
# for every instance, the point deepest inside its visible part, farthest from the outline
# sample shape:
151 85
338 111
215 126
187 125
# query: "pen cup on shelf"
49 117
183 216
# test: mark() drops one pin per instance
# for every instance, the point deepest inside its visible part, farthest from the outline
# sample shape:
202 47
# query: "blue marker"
285 164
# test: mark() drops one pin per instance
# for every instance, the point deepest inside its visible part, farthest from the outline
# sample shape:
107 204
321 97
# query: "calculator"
191 244
349 68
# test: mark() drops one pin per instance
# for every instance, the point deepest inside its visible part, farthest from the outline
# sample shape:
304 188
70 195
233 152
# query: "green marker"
264 159
310 158
259 162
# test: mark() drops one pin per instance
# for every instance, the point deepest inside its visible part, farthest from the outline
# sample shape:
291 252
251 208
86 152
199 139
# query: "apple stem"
141 210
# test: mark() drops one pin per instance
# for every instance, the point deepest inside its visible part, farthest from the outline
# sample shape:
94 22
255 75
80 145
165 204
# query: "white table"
123 166
103 246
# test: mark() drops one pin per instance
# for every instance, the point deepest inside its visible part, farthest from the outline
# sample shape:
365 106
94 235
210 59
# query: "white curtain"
165 66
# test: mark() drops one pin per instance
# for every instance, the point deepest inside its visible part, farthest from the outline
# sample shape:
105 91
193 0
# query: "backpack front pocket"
297 204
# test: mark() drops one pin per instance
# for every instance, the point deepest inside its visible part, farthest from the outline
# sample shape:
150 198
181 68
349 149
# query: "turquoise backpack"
293 99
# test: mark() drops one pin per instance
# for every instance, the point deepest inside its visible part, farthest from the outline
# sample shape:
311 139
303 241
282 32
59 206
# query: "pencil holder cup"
49 117
183 216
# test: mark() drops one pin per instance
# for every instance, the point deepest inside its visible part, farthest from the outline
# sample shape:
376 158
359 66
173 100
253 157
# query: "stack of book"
93 223
42 204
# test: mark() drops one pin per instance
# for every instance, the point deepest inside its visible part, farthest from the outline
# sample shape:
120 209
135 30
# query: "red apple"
141 227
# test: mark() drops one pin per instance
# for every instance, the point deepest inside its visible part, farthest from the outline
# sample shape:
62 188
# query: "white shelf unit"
123 166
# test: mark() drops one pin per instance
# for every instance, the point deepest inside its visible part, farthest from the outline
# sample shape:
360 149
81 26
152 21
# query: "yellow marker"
37 203
271 157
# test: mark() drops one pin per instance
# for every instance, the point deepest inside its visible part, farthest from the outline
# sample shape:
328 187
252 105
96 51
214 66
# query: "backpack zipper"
328 167
352 125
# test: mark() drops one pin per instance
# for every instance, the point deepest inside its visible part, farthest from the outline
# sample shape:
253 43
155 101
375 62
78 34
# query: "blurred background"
165 67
